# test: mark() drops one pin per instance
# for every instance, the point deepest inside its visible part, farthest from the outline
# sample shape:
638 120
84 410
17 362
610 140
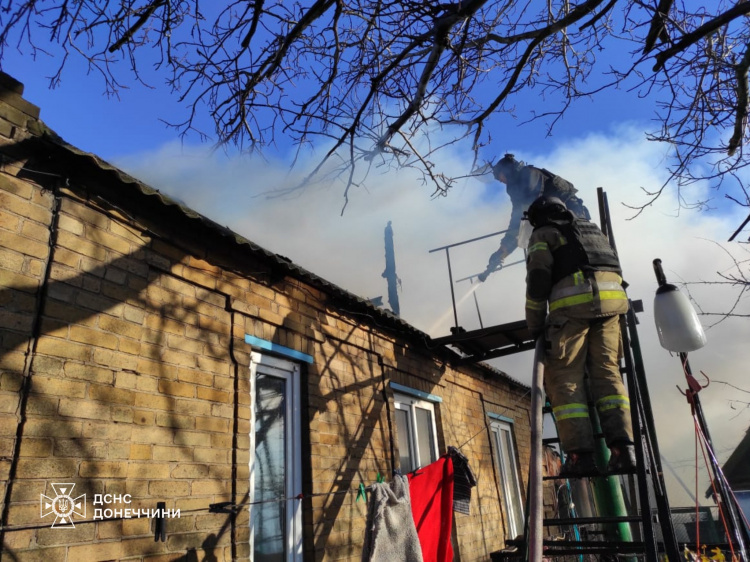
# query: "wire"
209 509
4 159
471 438
697 504
705 446
485 428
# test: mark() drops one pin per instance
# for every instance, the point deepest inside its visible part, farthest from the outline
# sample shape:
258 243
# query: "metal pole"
607 489
496 269
536 504
646 415
476 304
727 501
642 417
469 240
453 293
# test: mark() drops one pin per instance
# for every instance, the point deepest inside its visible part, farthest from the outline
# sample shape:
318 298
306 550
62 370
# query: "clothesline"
361 489
313 495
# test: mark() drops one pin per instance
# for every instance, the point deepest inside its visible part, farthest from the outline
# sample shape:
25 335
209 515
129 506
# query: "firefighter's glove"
497 258
495 263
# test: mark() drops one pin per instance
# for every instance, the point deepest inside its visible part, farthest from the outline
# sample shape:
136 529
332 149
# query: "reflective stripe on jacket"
578 295
587 292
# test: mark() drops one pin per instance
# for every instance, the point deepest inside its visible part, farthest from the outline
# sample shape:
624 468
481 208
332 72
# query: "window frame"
407 403
510 488
290 372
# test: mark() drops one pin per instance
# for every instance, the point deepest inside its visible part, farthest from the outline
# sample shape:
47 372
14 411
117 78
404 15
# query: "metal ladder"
645 528
647 531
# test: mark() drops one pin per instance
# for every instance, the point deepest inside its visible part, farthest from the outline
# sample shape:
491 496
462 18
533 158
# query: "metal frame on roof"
485 343
490 343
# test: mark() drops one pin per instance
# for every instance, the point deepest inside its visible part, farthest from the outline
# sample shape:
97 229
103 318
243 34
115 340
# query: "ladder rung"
548 440
545 478
559 548
596 544
555 548
622 472
601 475
590 520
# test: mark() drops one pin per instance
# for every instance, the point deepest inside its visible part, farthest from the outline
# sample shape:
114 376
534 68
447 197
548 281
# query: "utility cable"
700 438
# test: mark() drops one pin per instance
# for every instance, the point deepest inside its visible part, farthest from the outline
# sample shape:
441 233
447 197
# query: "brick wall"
124 370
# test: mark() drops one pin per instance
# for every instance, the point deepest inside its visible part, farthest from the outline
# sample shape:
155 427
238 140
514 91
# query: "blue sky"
599 143
135 116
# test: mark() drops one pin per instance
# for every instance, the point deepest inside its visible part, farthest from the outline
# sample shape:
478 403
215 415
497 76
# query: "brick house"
154 359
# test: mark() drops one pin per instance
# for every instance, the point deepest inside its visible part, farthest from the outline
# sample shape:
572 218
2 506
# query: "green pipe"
608 492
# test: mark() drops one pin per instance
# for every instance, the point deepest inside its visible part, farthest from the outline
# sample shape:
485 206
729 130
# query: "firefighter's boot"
622 458
579 465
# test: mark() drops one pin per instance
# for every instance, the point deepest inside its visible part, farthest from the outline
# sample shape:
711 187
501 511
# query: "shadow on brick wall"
104 369
347 393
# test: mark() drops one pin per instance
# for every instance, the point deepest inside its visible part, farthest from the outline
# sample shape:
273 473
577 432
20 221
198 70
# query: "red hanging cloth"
431 491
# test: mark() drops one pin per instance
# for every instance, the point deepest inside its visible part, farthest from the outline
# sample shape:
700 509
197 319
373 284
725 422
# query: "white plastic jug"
676 321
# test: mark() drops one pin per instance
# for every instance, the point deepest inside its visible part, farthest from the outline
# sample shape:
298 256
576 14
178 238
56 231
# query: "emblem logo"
63 505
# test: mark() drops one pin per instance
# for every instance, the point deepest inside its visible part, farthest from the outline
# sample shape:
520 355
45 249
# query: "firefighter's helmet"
508 166
543 208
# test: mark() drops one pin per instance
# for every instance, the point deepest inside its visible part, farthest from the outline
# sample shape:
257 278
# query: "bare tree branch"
736 276
658 28
733 386
740 120
144 17
701 32
373 79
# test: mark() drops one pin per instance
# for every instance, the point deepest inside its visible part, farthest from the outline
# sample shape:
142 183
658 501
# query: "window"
510 484
417 437
275 470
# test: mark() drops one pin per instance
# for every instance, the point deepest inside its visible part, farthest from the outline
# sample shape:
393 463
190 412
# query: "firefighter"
572 267
524 184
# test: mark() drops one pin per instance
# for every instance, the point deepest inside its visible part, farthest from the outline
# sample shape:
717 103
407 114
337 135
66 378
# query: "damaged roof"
84 164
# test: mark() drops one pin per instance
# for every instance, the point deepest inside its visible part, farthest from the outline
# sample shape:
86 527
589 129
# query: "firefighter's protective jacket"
571 266
523 188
